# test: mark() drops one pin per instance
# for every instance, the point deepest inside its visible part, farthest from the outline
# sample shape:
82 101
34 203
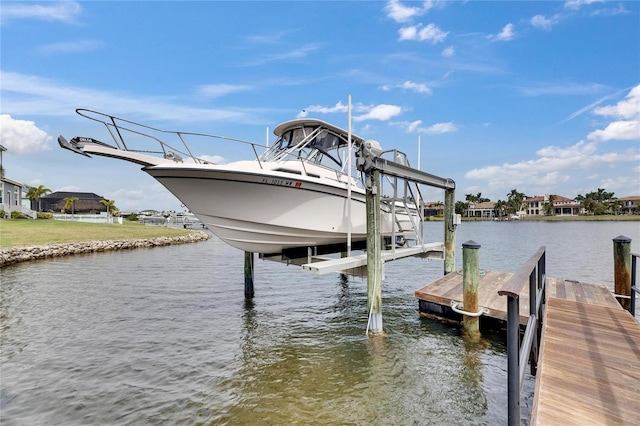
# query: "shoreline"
19 254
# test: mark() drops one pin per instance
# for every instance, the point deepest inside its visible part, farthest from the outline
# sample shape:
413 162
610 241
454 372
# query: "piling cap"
621 239
471 244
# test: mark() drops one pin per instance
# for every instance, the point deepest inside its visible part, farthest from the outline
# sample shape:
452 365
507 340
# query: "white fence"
91 218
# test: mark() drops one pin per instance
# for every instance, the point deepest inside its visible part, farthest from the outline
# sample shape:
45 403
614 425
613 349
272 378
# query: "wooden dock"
589 364
439 294
435 298
589 369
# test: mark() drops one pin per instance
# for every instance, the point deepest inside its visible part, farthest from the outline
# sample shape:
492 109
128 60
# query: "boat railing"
127 134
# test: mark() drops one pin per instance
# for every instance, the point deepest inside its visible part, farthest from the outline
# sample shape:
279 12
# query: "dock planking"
589 370
589 365
449 288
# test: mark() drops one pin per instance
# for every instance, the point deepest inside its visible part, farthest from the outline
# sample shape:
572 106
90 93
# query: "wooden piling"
470 278
622 269
449 231
374 254
248 275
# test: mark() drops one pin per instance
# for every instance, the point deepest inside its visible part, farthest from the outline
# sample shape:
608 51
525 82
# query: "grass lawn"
24 232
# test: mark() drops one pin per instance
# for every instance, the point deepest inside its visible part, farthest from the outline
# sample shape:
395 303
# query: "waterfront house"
484 210
433 208
630 205
555 205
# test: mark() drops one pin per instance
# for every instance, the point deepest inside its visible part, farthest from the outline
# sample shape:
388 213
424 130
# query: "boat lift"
402 178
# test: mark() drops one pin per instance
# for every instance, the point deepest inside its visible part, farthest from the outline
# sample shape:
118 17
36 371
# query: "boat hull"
266 212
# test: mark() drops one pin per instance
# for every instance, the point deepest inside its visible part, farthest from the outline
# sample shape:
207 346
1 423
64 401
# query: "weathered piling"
374 255
470 277
248 275
622 270
449 230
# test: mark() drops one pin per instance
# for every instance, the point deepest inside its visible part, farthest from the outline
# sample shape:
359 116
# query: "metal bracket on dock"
457 308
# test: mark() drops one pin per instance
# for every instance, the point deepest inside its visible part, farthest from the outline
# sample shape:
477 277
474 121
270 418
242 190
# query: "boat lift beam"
394 169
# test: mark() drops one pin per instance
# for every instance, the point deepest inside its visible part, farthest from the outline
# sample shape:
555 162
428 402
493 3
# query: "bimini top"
306 137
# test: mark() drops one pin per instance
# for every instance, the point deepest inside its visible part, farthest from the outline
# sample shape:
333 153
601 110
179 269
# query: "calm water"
164 336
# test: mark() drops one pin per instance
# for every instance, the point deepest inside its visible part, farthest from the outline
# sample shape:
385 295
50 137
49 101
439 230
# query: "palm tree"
35 193
69 202
499 208
110 206
515 200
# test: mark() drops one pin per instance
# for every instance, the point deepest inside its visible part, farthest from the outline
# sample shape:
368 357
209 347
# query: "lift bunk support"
369 161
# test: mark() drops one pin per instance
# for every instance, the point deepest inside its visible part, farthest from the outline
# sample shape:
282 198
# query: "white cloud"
554 165
401 13
217 90
64 11
628 113
300 52
339 107
577 4
506 34
617 130
78 46
563 88
380 112
31 95
410 85
21 136
416 127
539 21
627 108
449 52
622 185
440 128
429 33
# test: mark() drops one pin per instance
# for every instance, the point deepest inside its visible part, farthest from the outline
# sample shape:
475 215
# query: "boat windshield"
308 143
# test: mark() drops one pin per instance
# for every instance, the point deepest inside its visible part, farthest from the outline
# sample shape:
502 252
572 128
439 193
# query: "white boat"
295 194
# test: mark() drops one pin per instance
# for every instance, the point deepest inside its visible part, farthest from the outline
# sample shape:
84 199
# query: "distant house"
485 210
12 193
433 208
561 206
88 202
630 205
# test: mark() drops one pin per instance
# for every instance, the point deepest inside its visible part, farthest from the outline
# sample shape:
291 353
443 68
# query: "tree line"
598 202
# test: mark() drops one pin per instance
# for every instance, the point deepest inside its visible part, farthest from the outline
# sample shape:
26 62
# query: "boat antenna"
349 144
267 136
418 152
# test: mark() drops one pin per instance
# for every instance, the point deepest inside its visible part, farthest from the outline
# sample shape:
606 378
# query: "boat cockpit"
310 142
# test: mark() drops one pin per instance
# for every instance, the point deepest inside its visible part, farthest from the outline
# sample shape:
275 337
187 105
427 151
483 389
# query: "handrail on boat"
533 271
112 123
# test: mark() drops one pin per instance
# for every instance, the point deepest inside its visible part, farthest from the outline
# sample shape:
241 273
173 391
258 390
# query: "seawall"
11 255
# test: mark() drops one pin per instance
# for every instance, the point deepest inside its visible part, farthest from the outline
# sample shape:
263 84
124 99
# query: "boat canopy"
311 140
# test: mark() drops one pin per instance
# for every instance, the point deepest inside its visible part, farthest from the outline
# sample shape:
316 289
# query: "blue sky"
542 97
